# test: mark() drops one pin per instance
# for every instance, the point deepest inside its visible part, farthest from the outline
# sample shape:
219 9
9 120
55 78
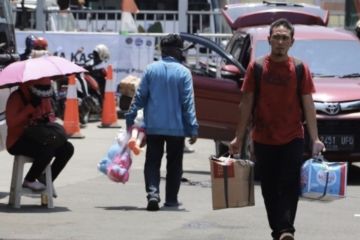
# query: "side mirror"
231 71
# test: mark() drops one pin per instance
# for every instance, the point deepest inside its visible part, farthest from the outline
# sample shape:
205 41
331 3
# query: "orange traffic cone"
109 114
71 114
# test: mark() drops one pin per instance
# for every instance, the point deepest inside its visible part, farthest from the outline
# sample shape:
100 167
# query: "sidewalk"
91 207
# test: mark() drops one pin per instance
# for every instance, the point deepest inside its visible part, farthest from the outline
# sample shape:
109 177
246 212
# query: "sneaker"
35 185
286 236
188 149
153 204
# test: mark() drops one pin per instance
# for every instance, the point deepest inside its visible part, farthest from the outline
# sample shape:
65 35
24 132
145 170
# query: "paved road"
90 206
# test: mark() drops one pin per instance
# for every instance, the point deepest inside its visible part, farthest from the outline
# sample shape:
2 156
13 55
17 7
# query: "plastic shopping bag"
323 180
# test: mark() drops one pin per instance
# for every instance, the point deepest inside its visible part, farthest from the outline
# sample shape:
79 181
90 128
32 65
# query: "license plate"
338 142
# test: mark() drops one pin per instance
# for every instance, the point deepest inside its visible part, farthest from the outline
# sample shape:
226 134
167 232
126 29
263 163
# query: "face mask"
42 91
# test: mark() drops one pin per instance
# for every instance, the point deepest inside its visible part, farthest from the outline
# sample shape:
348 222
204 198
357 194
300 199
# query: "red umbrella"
36 68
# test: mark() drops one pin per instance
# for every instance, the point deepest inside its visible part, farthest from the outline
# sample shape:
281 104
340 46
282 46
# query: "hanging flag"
128 24
129 6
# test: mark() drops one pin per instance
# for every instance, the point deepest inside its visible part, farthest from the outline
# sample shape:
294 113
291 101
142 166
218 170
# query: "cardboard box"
128 85
232 182
322 180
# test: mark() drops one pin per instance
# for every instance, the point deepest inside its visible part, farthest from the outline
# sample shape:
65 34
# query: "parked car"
332 55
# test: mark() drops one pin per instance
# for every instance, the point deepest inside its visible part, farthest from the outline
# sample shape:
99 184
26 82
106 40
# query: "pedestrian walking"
277 130
166 95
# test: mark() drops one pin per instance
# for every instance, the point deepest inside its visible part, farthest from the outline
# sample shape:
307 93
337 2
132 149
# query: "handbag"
323 180
232 182
49 134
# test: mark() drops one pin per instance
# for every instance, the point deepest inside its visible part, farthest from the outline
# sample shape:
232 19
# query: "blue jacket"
167 97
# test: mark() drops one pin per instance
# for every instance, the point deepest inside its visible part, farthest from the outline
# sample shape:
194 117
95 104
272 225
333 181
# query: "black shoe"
153 204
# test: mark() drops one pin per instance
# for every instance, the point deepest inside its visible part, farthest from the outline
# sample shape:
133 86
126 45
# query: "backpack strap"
258 69
299 70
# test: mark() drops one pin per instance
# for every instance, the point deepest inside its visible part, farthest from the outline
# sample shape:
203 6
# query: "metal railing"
165 21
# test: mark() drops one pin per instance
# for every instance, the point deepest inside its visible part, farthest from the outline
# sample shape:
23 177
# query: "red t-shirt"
277 117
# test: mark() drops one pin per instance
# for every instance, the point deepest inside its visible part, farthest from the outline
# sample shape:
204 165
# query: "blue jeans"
279 169
174 170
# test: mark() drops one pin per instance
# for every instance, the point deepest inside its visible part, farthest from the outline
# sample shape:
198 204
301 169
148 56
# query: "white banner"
128 54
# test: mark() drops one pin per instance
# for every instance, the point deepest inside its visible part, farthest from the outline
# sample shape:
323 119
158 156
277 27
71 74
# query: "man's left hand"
192 140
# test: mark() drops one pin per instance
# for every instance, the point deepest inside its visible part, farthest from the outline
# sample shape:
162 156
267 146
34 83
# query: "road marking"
356 215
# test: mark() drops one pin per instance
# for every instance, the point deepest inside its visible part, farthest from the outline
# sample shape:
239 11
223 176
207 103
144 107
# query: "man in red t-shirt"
277 130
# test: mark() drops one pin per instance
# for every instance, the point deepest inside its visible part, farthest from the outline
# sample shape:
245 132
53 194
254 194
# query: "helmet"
40 43
103 52
29 41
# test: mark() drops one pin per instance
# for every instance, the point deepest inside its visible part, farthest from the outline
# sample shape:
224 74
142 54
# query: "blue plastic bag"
322 180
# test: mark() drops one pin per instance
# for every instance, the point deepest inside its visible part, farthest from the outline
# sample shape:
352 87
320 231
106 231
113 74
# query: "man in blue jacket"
167 97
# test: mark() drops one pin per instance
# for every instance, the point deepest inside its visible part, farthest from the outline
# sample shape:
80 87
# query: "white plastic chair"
17 190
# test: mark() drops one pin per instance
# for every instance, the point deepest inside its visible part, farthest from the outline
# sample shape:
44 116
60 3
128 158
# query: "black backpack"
258 68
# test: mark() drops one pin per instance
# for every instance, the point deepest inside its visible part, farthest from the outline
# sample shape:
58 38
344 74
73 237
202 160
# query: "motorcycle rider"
29 45
97 66
88 92
40 48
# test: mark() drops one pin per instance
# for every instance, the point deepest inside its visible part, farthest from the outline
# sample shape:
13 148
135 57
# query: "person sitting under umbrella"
30 104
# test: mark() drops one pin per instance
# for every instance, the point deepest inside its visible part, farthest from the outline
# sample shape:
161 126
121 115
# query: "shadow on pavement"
197 172
4 195
173 209
31 208
123 208
132 208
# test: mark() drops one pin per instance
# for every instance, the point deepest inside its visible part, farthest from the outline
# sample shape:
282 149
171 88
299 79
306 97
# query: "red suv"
332 55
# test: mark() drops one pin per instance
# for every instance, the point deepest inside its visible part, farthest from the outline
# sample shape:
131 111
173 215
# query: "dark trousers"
174 157
279 170
42 157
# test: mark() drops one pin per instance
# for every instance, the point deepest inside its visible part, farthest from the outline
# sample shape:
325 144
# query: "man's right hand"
235 146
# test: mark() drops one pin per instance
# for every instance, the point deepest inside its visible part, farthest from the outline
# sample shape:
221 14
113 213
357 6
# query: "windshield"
324 57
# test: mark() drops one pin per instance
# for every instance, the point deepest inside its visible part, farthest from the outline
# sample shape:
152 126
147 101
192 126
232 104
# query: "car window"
236 49
203 61
245 53
324 57
240 48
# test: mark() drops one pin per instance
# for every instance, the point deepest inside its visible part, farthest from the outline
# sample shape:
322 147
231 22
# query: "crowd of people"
166 96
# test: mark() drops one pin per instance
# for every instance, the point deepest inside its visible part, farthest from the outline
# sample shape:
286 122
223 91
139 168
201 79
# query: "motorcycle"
88 96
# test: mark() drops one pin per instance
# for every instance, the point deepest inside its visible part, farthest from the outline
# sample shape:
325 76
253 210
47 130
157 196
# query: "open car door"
217 88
